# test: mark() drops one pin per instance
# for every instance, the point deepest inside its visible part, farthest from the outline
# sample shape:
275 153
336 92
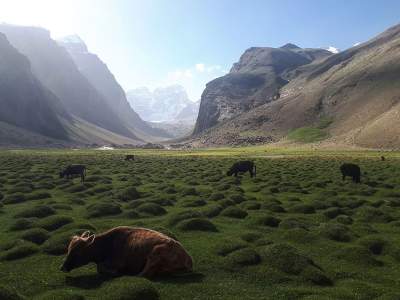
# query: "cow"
130 157
383 158
72 170
128 251
241 167
351 170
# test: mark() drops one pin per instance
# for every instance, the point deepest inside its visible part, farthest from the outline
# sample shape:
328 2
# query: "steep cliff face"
24 102
56 70
101 78
253 81
356 90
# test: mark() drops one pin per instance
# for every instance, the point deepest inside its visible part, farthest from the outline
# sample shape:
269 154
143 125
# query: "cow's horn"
85 234
91 238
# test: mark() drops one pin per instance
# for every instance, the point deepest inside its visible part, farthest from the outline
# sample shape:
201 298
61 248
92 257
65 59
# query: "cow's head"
78 255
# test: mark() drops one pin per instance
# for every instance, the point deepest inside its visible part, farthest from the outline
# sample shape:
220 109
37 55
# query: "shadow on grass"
181 278
87 281
94 281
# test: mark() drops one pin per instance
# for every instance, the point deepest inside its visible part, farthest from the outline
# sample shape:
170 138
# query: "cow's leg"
163 259
251 173
153 264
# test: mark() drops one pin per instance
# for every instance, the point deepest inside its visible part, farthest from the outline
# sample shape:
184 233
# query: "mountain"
56 70
101 78
164 104
253 81
26 105
189 113
350 98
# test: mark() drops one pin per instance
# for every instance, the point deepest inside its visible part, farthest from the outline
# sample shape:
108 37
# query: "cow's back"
244 165
132 246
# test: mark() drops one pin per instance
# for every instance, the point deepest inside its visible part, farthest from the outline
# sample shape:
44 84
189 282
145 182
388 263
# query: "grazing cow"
383 158
128 251
130 157
72 170
241 167
351 170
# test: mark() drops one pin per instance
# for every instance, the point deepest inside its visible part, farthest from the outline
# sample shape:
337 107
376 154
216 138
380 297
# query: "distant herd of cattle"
141 251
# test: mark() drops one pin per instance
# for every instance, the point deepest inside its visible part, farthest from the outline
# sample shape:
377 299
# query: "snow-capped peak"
333 50
73 42
74 39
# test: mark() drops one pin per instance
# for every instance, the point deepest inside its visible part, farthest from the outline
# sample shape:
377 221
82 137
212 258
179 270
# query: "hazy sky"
159 42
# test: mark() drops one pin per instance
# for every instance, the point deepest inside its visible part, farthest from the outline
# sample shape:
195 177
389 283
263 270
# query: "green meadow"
296 231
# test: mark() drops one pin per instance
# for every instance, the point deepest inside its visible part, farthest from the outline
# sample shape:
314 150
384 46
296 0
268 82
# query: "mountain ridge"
357 90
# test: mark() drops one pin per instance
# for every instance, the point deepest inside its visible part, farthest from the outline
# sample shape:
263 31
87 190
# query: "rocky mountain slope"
164 104
101 78
253 81
56 70
24 102
352 96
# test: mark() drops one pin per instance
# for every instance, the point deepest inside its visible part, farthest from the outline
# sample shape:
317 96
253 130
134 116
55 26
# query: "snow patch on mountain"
164 104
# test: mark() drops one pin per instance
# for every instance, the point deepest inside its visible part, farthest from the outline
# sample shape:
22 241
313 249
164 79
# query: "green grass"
296 231
307 135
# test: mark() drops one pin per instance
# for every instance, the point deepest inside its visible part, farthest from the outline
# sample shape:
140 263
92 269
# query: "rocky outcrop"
56 70
253 81
356 90
24 102
101 78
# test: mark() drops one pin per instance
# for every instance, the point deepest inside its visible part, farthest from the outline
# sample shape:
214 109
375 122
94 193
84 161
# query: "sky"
190 42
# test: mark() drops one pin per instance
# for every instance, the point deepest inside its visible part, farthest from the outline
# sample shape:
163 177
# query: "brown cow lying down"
128 250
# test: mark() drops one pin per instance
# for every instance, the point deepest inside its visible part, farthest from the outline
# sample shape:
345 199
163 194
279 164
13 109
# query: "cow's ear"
90 239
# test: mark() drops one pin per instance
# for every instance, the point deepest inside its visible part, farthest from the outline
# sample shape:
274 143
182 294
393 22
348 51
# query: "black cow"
72 170
351 170
241 167
383 158
130 157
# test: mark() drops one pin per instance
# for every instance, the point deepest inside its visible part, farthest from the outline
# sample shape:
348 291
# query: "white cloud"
200 67
194 78
215 68
333 49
